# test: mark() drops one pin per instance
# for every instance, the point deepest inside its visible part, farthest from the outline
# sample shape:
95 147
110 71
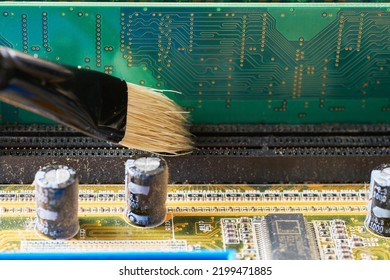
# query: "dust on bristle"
155 123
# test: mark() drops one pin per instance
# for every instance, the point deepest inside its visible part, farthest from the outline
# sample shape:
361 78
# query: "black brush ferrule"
89 101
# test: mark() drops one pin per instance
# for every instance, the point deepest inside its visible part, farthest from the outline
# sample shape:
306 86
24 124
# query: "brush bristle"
155 123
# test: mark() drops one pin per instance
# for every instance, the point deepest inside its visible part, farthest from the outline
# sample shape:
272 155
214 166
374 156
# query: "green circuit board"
254 63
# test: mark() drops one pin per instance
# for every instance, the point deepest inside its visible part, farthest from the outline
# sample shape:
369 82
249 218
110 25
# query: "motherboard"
256 221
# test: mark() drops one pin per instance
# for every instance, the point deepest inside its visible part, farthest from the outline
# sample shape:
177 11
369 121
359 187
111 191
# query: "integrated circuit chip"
287 237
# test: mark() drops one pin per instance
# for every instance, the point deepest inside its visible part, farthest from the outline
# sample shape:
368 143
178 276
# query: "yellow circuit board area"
256 221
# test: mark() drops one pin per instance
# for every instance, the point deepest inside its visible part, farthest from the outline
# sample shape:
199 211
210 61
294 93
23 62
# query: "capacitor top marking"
55 178
147 164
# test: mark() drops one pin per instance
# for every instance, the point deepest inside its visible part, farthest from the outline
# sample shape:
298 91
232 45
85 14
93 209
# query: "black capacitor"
146 191
56 189
378 216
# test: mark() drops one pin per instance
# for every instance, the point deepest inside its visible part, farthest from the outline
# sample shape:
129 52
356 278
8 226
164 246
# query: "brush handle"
12 61
88 101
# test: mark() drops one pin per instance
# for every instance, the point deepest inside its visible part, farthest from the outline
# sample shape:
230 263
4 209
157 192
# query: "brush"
96 104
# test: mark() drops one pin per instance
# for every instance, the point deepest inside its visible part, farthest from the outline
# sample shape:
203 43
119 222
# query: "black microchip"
214 196
288 239
233 195
195 196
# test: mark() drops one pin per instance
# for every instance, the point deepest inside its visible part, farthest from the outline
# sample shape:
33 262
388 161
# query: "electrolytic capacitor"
56 189
378 216
146 191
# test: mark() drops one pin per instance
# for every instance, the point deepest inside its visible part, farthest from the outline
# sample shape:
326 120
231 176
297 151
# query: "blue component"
203 255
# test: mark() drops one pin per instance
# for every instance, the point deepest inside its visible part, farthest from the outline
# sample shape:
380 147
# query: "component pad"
258 63
327 219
